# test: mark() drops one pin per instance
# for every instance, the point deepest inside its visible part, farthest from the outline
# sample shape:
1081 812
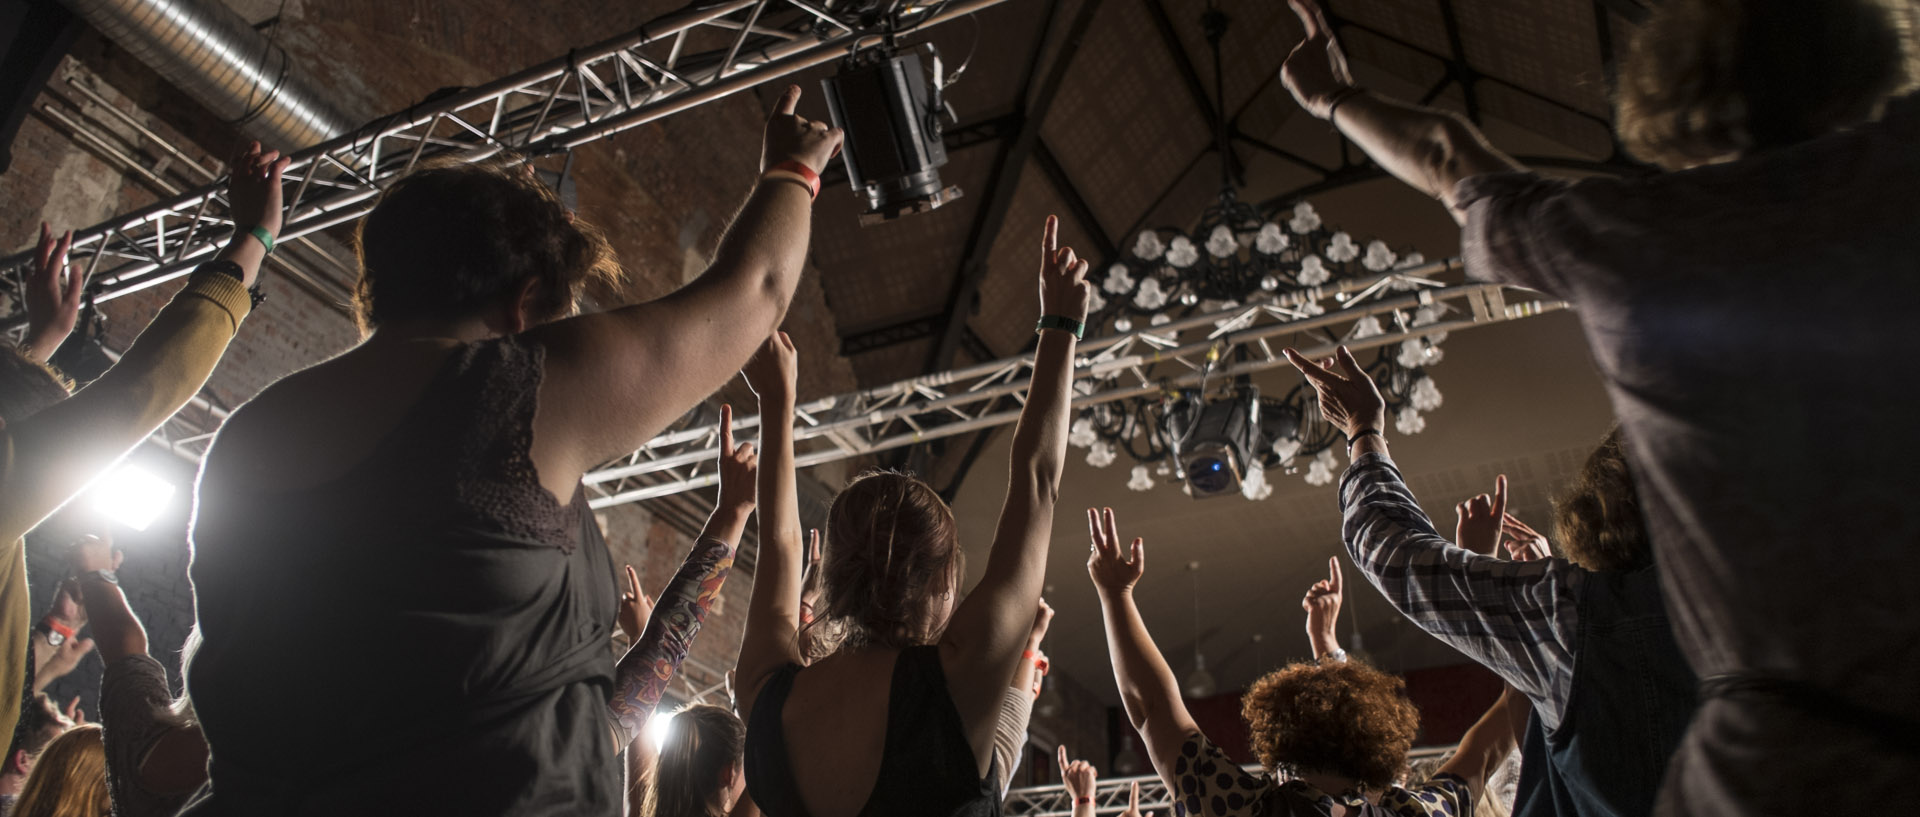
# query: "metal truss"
1112 795
1134 364
586 95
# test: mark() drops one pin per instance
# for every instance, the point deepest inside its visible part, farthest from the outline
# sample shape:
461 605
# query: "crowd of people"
1673 647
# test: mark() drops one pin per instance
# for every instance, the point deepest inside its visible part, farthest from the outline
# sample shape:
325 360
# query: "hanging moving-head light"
1215 439
891 117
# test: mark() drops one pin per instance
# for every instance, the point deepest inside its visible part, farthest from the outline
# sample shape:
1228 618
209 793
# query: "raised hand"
1348 399
1316 71
791 137
1064 290
253 189
1041 620
1322 604
738 467
1480 520
52 301
1524 544
773 373
1113 570
92 553
1133 802
63 660
635 607
1078 775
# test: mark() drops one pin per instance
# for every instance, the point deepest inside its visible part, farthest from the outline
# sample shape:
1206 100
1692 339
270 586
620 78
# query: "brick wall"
663 193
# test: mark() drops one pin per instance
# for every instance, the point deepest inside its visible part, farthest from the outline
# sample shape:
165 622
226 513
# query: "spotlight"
657 728
132 496
1214 440
891 119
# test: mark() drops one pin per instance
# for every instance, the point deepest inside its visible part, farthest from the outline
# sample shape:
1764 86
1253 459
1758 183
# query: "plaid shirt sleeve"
1519 619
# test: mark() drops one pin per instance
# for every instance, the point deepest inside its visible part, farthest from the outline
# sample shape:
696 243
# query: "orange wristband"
805 174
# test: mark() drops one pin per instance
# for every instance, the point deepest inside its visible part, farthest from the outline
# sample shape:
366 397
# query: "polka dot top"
1206 783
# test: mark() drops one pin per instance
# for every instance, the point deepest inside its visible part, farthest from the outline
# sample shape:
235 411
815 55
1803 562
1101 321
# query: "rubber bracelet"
806 174
1061 322
56 626
1365 432
266 238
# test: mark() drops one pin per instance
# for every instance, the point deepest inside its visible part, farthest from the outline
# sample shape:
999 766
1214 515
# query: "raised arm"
990 627
1148 688
1518 619
644 672
1016 701
1079 779
657 359
116 630
1424 147
1322 604
61 449
1489 741
772 638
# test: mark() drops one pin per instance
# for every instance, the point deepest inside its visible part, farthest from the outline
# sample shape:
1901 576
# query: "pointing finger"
789 101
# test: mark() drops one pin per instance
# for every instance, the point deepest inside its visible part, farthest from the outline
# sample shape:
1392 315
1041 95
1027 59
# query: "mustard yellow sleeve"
16 614
56 452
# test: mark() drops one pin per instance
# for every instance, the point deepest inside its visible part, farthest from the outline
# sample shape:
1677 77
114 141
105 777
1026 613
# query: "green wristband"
1078 328
266 238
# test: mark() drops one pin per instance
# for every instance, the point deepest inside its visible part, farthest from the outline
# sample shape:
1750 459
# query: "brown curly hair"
1597 519
450 239
1345 718
1707 80
892 553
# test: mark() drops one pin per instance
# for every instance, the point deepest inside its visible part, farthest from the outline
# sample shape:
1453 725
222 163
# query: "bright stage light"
656 729
132 496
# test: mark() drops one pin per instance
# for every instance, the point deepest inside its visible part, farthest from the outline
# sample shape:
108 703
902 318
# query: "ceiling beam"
1000 189
1457 67
1076 203
1196 88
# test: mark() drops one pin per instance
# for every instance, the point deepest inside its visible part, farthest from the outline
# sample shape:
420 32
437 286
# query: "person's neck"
1332 784
11 781
459 330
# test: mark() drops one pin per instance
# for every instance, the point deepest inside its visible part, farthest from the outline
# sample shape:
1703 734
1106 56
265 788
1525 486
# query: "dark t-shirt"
426 634
1753 322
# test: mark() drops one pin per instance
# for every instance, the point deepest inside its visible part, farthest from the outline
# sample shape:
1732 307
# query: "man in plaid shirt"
1585 638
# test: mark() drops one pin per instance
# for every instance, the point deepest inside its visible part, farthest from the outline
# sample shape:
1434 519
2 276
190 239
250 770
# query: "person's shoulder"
1443 795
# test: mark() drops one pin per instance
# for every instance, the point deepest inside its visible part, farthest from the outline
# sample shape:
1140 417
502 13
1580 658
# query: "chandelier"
1282 259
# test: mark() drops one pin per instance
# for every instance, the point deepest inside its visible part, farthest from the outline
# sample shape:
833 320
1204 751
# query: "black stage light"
1214 440
891 119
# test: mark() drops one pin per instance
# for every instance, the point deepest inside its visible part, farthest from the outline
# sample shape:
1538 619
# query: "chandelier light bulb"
1122 325
1189 299
1269 283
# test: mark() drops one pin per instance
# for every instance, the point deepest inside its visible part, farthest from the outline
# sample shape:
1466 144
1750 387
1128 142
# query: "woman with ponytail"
897 710
698 773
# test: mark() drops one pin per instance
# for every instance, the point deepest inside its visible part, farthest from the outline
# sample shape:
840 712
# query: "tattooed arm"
644 673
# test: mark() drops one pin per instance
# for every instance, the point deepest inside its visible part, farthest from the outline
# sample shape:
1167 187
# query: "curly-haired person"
1338 728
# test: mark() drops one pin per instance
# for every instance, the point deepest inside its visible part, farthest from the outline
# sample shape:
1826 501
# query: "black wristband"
1363 433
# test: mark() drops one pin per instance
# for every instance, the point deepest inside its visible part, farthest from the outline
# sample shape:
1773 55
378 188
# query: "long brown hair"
892 553
703 743
69 779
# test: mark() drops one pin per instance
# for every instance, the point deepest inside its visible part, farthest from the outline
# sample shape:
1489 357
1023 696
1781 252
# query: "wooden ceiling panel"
1550 47
1124 125
1414 21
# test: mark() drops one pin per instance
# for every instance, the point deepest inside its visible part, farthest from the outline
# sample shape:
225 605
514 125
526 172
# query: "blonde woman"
69 779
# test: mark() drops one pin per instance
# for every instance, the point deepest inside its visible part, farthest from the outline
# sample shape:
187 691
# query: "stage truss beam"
575 99
1142 363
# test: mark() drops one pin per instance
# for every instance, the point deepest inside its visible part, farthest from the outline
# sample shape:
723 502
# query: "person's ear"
19 763
522 317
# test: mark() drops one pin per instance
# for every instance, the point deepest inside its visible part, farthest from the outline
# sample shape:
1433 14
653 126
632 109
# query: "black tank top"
928 768
424 635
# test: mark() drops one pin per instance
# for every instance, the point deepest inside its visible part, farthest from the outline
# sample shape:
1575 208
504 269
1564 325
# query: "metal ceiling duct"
209 51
